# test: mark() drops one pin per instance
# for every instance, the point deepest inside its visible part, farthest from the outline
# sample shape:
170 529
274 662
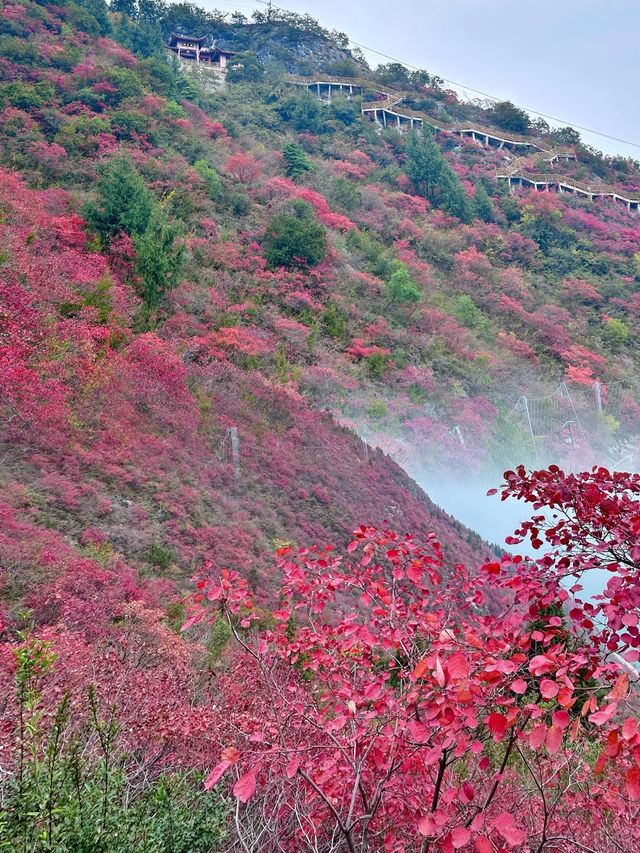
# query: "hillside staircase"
388 111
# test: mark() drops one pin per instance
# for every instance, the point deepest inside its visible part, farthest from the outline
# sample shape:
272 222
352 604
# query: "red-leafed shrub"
392 694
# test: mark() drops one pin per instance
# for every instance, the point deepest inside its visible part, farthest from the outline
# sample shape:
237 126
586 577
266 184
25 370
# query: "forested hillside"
224 320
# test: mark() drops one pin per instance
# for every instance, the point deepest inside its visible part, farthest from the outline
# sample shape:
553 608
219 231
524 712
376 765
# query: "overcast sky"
576 60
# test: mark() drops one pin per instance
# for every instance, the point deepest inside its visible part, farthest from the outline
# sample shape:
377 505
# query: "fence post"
597 387
525 403
235 451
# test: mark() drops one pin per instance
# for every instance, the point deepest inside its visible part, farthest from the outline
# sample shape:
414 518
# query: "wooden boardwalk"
388 111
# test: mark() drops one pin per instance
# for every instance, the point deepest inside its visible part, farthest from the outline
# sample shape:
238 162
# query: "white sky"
577 60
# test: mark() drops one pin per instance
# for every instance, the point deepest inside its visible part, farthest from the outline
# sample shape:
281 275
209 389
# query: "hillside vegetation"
224 320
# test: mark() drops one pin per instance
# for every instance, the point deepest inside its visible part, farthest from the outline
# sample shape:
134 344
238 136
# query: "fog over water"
467 501
491 517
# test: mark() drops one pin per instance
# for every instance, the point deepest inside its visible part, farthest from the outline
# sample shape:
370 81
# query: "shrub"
402 288
467 312
615 332
345 193
453 700
210 177
75 789
295 237
245 67
302 111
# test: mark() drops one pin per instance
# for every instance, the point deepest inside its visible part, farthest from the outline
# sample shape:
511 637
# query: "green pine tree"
124 202
296 161
433 177
158 261
295 237
483 209
126 7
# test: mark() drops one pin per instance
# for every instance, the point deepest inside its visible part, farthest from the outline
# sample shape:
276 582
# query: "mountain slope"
206 301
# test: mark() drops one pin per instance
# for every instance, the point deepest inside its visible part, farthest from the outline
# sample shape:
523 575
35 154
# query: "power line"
497 99
475 91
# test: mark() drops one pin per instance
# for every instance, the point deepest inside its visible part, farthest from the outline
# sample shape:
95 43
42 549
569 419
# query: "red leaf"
420 669
561 719
620 688
457 666
418 731
245 787
216 774
505 825
537 736
632 783
414 573
427 826
599 718
548 688
230 754
292 767
553 741
467 792
603 760
539 665
483 845
460 836
497 725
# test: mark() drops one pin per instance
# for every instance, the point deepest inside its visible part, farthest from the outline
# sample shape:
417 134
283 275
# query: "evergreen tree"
98 10
295 237
303 111
124 201
433 177
296 161
245 67
453 197
424 164
158 262
126 7
483 208
152 11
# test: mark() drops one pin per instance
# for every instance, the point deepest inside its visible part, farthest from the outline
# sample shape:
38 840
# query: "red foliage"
359 349
389 697
517 347
243 168
284 187
577 288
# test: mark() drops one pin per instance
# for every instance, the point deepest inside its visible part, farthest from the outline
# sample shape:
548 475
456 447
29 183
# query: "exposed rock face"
296 51
211 78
